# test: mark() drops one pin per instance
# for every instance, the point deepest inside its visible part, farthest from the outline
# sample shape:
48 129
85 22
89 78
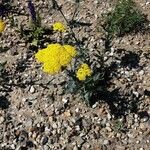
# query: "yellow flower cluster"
83 72
2 25
58 26
55 56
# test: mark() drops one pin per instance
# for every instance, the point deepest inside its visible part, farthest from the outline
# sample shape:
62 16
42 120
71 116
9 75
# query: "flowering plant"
58 26
84 77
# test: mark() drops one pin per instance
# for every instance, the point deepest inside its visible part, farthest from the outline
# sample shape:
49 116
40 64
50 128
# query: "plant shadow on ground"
76 24
142 28
118 102
4 103
6 7
3 49
130 60
41 38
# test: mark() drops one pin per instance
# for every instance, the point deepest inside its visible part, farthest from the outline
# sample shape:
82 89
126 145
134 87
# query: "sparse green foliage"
119 126
88 88
33 35
91 85
124 18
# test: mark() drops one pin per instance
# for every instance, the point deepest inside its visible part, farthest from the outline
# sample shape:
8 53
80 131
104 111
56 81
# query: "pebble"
65 100
13 146
145 119
79 141
136 94
119 147
1 119
54 125
142 126
77 110
46 147
137 142
32 89
44 140
141 72
130 135
75 148
95 105
135 116
109 116
108 129
67 114
106 142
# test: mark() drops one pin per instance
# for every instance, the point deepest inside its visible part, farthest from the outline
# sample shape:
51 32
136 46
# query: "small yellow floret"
58 26
83 72
2 25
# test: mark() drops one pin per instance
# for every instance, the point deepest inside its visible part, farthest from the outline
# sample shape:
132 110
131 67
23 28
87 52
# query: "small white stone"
141 72
106 142
112 52
108 124
108 116
130 135
137 142
13 146
135 116
77 110
105 58
24 99
95 105
77 128
30 134
54 126
1 119
32 89
136 94
65 100
108 129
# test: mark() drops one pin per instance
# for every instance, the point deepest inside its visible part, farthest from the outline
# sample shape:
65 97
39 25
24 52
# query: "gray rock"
46 147
106 142
54 125
44 140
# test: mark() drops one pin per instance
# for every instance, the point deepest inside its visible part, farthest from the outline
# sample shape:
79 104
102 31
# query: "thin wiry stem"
57 7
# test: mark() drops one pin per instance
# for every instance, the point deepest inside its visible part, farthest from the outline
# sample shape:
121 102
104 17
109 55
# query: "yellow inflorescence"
58 26
83 72
2 25
55 56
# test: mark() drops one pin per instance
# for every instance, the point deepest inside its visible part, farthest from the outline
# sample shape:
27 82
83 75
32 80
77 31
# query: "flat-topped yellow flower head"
83 72
2 26
58 26
55 56
71 50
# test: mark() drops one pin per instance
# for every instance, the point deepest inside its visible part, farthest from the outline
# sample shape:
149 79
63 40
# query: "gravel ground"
38 117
